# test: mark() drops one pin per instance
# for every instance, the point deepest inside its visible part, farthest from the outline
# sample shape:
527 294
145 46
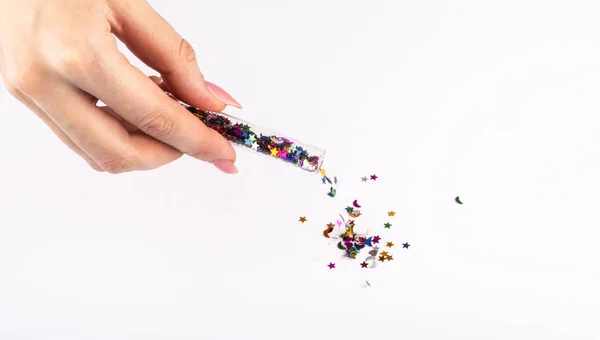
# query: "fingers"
101 136
137 99
157 44
53 127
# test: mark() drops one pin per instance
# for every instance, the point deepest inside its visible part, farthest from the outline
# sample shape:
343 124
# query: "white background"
496 101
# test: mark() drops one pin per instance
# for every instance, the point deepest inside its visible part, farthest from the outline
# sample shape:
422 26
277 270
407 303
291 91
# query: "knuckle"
95 166
74 61
199 152
119 164
187 54
158 124
13 91
24 78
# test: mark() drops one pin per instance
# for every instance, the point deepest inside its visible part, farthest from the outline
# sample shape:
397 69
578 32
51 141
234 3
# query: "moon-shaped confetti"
355 204
328 230
373 261
457 199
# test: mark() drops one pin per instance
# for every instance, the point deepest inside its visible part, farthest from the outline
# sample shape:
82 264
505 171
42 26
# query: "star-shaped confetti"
349 209
387 225
331 265
374 177
252 138
330 225
302 219
391 213
384 253
405 245
364 265
389 244
364 179
381 258
389 257
323 172
376 239
249 142
274 152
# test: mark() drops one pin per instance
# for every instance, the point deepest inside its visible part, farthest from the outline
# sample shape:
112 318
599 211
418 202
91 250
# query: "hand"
59 57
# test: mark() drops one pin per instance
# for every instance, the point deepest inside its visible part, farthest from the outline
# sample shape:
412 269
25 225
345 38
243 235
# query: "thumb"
158 45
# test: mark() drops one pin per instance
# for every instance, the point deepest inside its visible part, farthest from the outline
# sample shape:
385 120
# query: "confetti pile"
350 242
268 144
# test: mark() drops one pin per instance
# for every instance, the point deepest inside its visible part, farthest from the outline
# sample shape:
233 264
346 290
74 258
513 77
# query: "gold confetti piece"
391 213
389 244
302 219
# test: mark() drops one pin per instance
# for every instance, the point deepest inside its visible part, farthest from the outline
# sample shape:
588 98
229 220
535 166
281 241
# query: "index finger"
138 100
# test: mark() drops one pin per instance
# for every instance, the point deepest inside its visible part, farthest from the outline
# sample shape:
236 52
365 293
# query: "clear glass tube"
262 140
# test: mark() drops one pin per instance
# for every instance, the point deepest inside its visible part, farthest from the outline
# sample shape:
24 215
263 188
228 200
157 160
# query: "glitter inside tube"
262 140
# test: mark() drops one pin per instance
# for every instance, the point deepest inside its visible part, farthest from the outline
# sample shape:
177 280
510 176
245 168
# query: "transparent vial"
262 140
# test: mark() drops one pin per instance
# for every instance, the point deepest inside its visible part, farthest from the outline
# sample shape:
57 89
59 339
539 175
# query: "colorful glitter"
251 136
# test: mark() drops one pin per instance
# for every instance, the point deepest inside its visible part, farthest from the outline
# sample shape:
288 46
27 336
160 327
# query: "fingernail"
226 166
223 96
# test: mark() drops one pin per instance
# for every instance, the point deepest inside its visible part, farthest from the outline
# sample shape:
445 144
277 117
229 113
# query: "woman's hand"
59 57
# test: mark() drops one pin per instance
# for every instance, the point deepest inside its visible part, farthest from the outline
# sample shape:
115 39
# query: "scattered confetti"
329 229
405 245
457 199
368 284
332 188
347 239
302 219
332 192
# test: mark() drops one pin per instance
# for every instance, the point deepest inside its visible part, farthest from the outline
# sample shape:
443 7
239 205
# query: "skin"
59 57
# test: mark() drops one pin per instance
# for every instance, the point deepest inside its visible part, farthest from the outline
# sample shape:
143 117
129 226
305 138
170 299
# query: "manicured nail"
226 166
223 96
